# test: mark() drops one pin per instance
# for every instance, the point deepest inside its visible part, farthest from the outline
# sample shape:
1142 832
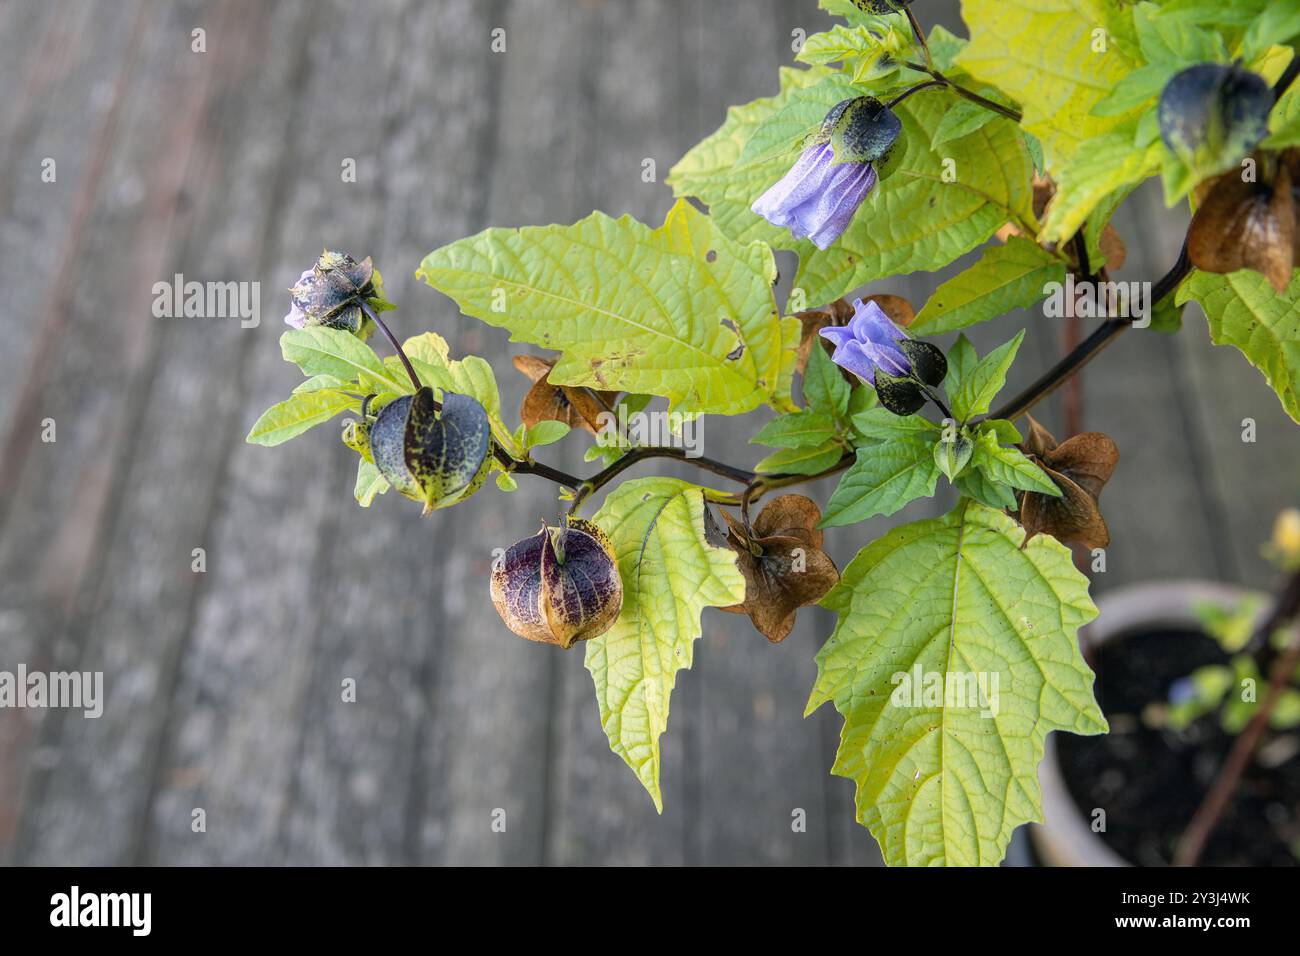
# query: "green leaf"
1009 466
1279 23
670 574
1284 121
544 433
867 53
473 376
369 483
1003 430
1175 41
506 482
1244 311
322 351
1110 163
1238 13
1141 87
801 461
878 422
711 172
882 480
796 430
824 386
1006 277
973 392
679 311
320 382
964 118
1041 54
954 599
977 485
912 220
296 414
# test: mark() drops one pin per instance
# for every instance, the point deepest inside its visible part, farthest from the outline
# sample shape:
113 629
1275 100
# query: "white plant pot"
1066 838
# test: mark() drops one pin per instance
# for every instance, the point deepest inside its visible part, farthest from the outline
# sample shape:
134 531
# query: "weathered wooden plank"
75 52
757 760
138 604
494 739
599 812
59 496
236 728
359 784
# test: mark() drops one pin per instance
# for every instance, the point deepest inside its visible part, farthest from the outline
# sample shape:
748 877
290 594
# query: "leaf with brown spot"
1080 467
1244 225
783 564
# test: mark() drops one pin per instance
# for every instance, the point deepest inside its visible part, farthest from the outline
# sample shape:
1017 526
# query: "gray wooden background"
223 687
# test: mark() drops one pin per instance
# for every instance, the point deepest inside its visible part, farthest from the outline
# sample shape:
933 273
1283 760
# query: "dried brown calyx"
1250 225
575 407
783 563
1080 467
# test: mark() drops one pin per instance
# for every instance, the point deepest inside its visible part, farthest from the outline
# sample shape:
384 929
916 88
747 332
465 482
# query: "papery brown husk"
575 407
1241 225
1080 467
773 590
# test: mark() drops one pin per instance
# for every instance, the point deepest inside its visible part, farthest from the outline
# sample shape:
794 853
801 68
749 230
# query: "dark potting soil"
1150 781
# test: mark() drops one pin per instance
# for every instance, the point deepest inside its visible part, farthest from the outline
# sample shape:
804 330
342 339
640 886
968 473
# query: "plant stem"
597 481
920 36
1225 785
942 407
908 92
1088 349
392 340
1013 115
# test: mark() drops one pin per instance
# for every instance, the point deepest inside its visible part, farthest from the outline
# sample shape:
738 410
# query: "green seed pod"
953 456
1211 116
436 456
560 586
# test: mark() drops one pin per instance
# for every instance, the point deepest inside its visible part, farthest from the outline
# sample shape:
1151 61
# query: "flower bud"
330 294
437 456
876 350
560 586
817 199
1211 115
952 456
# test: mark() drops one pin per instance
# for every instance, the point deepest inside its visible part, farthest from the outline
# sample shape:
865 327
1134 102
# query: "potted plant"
890 149
1200 685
